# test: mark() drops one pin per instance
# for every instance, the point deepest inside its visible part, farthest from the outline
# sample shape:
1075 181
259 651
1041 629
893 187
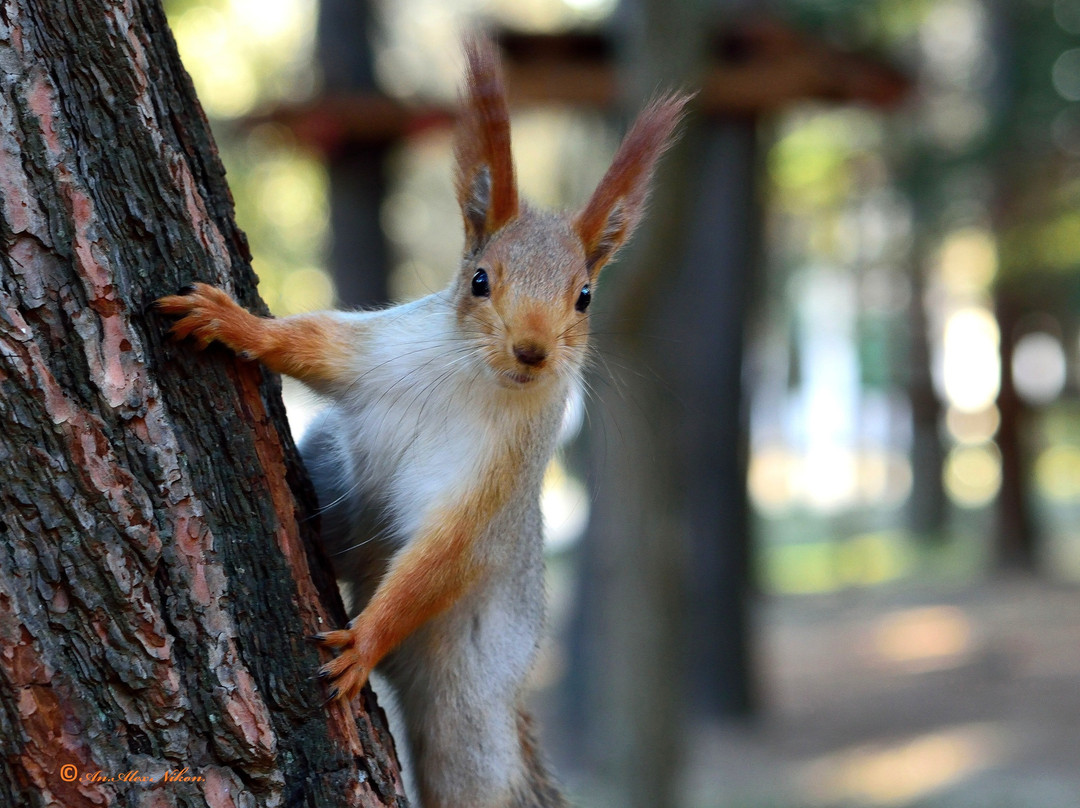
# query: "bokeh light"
1039 367
973 475
972 427
902 773
1057 473
967 261
243 52
924 639
1066 75
971 364
244 55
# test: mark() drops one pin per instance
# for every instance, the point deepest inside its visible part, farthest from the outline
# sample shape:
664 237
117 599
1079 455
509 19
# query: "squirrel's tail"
538 790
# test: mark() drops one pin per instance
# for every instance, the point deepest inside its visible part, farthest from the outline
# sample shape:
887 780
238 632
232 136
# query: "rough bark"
155 564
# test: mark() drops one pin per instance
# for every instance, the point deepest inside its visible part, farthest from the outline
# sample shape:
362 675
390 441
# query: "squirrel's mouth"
510 378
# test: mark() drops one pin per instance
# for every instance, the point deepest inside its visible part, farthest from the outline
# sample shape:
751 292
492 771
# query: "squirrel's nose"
529 353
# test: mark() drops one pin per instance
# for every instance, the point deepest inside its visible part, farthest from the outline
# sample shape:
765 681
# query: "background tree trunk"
359 254
663 618
155 574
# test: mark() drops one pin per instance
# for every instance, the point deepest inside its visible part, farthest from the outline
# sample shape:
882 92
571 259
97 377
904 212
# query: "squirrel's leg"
314 348
425 578
459 681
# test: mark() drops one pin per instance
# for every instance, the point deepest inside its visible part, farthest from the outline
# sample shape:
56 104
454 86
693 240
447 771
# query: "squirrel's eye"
480 285
583 298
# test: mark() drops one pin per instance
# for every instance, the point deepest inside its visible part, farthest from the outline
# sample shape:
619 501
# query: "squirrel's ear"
618 202
484 179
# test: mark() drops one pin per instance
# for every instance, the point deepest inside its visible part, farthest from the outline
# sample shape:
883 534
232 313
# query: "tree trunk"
1017 545
156 574
666 559
359 254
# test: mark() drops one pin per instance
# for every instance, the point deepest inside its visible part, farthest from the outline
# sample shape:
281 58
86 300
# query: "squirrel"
443 416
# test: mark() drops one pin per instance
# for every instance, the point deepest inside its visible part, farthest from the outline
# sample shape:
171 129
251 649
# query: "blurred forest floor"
918 698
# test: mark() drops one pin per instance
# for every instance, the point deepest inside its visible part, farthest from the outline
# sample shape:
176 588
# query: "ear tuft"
476 204
618 202
614 231
484 179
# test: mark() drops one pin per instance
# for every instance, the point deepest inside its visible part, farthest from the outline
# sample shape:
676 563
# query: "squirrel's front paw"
349 670
207 314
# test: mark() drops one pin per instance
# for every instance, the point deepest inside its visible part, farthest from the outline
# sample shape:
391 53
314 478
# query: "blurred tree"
666 579
156 577
666 568
359 261
1017 544
1035 196
927 505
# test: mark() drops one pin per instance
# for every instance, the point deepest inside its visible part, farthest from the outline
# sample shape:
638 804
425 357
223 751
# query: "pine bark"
158 574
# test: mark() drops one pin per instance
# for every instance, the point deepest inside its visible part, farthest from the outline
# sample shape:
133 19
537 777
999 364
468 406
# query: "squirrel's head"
527 277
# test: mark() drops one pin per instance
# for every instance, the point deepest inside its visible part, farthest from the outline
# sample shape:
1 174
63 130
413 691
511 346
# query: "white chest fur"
426 418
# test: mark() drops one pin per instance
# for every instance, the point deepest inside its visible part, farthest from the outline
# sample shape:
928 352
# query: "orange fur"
435 569
313 348
618 203
482 141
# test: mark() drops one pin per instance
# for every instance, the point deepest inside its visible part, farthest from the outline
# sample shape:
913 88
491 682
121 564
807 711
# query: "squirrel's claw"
334 639
348 671
186 298
347 679
205 313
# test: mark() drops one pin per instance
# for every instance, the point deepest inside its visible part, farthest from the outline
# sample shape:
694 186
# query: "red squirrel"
428 462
